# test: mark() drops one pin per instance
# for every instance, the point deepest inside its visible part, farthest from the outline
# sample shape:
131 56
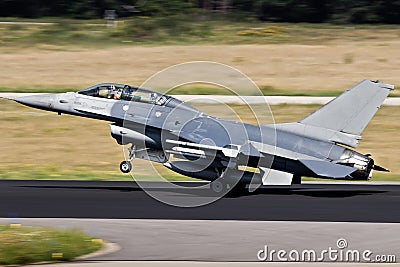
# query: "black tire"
217 186
125 166
222 187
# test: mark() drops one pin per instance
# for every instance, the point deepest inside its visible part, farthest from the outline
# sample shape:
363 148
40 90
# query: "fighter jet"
163 129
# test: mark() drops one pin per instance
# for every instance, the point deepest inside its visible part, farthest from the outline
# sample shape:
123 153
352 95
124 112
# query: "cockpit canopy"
125 92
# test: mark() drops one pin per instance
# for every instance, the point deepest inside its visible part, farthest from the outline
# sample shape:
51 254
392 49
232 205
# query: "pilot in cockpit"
117 93
153 97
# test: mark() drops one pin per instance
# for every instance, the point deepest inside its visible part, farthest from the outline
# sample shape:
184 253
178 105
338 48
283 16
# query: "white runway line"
25 23
271 100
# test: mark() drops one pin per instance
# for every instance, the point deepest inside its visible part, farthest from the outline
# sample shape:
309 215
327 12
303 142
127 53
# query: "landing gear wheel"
125 166
220 187
217 187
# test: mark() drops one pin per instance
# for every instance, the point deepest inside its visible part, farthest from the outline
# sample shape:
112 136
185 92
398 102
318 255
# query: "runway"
125 200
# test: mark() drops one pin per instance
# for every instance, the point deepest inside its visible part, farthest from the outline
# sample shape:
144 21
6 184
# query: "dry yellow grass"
34 140
334 66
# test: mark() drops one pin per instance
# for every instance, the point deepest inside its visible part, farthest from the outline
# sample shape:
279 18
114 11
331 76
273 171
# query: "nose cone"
40 101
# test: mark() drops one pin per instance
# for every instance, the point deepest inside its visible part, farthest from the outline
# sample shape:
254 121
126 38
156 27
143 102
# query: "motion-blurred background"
288 47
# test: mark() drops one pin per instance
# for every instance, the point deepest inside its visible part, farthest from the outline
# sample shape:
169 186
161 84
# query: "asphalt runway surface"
125 200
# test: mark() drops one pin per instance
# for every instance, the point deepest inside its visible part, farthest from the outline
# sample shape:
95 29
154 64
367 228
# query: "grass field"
23 245
41 145
61 33
279 69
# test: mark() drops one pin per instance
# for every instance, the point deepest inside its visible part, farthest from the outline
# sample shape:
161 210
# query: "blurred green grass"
24 245
53 172
183 29
48 173
58 51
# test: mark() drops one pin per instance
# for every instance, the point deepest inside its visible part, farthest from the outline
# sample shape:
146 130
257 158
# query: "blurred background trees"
333 11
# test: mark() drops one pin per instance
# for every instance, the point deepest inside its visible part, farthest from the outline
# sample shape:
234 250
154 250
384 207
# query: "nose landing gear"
126 165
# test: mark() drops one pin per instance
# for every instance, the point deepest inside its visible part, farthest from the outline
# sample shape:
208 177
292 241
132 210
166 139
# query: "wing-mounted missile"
230 151
203 154
234 163
207 161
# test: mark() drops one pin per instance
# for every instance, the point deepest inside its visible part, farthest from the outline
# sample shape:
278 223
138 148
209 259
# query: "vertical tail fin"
351 111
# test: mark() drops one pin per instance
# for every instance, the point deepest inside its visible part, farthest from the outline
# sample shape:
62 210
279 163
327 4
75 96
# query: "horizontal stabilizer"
319 133
328 169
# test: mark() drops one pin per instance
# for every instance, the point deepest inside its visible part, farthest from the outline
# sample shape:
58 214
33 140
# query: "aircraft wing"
231 154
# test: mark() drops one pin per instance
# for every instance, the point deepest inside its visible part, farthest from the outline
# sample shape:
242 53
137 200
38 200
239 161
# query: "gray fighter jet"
163 129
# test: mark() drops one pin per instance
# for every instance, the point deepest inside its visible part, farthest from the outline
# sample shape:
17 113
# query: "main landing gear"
228 182
126 165
222 187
